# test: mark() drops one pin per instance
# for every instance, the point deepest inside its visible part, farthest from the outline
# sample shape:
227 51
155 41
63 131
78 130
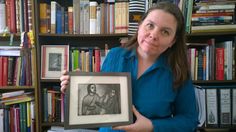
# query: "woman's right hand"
64 80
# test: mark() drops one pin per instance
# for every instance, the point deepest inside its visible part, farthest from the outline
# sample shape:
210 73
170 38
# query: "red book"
5 71
1 71
70 19
219 63
11 15
12 120
97 60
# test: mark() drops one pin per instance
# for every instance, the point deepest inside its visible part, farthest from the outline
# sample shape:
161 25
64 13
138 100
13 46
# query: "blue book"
59 21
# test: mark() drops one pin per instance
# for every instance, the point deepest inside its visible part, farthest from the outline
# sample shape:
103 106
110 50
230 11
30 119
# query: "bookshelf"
46 37
76 40
18 61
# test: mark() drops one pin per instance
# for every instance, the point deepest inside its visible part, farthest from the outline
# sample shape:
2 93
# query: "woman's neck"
144 61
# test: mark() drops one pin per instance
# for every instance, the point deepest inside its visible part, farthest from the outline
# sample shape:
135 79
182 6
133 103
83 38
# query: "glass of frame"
96 99
55 59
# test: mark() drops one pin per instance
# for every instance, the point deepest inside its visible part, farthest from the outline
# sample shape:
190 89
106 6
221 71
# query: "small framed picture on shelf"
95 99
54 59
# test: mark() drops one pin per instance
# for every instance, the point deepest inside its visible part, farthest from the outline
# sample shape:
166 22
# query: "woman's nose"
154 34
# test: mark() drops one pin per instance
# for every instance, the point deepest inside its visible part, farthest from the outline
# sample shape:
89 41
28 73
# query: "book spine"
93 17
2 17
70 20
225 107
211 106
219 63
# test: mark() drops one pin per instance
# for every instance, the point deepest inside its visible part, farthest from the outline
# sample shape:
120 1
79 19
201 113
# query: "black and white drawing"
99 99
55 61
96 99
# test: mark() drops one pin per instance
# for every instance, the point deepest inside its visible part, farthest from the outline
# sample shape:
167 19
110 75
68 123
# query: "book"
225 107
1 71
43 18
93 16
213 28
70 19
201 102
211 108
234 107
2 16
10 51
1 120
76 16
219 63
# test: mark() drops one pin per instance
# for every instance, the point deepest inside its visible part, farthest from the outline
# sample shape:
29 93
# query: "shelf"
218 82
16 87
211 34
83 35
232 129
48 124
51 80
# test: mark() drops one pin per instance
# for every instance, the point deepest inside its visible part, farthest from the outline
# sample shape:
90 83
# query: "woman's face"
156 33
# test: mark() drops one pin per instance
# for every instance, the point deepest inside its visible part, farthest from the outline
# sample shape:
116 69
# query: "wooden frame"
55 59
110 104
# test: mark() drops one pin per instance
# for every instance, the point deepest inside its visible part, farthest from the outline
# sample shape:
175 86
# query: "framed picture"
96 99
55 59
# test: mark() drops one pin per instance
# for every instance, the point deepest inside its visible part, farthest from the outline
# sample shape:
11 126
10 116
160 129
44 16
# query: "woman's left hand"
142 124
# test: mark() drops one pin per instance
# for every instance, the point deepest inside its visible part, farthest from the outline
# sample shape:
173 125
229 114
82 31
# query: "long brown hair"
177 54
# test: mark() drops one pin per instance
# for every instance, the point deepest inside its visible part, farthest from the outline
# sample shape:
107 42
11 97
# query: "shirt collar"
161 62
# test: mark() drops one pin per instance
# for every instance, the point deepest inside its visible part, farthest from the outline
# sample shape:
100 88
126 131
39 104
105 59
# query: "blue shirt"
153 94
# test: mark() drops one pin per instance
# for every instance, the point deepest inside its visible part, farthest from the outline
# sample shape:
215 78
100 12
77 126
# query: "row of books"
16 64
220 106
212 60
15 16
17 111
212 16
53 104
84 17
56 58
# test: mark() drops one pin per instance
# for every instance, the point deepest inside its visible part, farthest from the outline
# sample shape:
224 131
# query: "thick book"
234 107
1 120
225 107
43 28
211 108
92 17
2 17
220 63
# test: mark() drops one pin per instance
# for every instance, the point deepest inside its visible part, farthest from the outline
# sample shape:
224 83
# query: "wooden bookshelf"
15 37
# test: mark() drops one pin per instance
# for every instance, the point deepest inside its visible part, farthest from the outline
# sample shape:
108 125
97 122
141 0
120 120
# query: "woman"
162 90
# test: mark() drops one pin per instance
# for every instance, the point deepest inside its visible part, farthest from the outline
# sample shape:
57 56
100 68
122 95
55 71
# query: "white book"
76 16
2 17
86 17
213 28
211 102
1 120
234 106
12 94
225 107
98 16
201 102
220 6
92 17
53 16
61 129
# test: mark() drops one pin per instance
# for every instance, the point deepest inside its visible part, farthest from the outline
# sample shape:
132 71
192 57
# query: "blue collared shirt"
153 94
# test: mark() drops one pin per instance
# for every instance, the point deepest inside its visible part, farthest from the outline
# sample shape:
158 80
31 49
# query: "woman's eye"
150 26
166 33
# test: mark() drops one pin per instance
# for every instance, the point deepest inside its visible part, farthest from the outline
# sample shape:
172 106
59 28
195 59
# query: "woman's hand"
64 80
142 124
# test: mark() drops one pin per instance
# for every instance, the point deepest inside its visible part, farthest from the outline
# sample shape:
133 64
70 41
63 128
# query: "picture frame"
55 59
110 104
